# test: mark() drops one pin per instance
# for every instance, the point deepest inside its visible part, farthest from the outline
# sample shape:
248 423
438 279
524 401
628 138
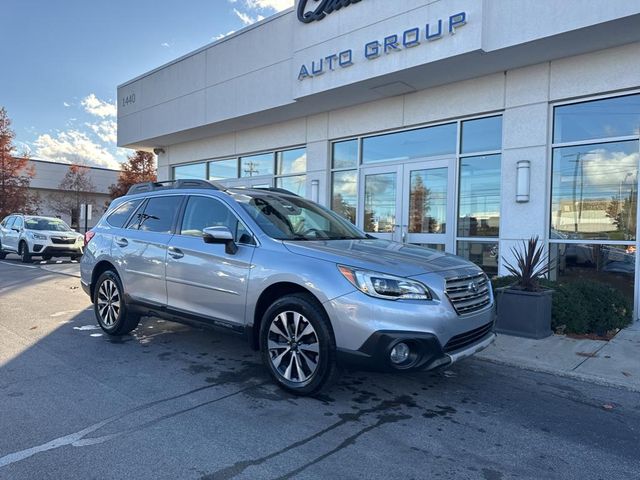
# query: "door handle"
175 253
122 242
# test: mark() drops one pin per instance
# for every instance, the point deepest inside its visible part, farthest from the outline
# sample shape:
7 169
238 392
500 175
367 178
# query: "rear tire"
2 254
23 251
46 258
298 346
110 308
75 257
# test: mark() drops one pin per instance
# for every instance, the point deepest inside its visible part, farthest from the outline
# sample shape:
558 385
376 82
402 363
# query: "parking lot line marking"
18 265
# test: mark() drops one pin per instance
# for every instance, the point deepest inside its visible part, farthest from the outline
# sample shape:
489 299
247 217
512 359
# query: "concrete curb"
561 373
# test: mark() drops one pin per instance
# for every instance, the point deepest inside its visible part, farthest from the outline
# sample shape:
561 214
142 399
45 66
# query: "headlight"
38 236
381 285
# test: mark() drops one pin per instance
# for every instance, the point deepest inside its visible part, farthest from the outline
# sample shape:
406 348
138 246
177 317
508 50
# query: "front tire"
23 251
298 346
109 306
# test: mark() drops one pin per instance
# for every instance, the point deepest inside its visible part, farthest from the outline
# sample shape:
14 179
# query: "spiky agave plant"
531 265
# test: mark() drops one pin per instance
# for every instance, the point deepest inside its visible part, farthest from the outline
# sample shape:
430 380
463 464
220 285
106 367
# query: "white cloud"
94 106
222 35
245 18
165 45
277 5
74 146
106 130
66 104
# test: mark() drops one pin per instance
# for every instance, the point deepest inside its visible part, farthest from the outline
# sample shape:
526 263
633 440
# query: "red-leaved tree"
15 174
139 167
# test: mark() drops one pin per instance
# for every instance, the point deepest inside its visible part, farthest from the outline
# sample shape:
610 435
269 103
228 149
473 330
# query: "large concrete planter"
524 314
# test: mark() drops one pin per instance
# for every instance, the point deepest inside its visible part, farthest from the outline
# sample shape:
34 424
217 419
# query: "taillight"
88 236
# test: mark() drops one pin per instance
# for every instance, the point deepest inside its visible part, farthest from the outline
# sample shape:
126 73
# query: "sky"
62 60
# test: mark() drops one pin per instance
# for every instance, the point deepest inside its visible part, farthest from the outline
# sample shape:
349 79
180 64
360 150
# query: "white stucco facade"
518 59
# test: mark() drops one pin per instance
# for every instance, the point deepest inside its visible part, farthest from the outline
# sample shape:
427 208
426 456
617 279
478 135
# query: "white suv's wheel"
23 251
297 344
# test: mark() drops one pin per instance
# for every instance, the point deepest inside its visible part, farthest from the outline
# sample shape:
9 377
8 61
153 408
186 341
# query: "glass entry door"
411 203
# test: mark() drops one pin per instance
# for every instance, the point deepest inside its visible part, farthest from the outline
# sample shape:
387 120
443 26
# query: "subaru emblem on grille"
473 287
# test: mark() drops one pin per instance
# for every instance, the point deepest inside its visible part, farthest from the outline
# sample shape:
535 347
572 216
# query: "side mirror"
220 235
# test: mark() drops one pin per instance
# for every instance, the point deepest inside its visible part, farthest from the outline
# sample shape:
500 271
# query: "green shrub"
584 306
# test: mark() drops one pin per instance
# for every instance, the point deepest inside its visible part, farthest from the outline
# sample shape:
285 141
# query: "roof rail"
173 184
276 190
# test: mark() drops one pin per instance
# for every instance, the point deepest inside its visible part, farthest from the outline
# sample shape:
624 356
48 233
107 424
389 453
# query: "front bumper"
427 352
57 250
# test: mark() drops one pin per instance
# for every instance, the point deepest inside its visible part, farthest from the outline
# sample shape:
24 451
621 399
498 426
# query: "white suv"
47 237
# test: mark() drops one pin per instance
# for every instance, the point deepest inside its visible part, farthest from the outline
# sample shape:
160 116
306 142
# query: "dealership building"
463 125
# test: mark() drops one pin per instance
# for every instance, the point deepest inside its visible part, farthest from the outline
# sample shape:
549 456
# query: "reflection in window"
222 169
479 200
184 172
256 165
485 255
611 264
296 184
344 194
380 203
411 144
440 247
611 117
345 154
482 135
428 201
595 191
292 161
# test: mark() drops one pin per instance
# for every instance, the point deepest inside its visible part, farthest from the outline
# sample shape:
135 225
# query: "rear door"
142 249
201 278
5 229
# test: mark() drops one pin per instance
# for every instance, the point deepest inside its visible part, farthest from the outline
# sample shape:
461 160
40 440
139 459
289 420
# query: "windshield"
294 218
46 224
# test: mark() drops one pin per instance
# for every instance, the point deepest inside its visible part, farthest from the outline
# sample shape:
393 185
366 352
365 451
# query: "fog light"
400 353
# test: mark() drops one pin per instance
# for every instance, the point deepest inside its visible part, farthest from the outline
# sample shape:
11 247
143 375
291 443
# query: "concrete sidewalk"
615 363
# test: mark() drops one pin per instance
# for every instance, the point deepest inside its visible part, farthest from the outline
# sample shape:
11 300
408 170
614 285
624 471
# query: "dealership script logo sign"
316 10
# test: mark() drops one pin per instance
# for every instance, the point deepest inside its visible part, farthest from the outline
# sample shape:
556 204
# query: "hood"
379 255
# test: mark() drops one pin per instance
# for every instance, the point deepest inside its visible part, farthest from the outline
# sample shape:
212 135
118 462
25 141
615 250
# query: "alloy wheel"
108 302
294 349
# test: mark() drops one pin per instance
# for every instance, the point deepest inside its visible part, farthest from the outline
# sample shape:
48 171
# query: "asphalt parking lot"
171 401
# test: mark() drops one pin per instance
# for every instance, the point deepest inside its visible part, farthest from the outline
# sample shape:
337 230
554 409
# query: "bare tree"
75 189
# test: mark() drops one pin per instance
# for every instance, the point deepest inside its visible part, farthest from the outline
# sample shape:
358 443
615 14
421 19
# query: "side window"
18 222
121 214
202 212
158 215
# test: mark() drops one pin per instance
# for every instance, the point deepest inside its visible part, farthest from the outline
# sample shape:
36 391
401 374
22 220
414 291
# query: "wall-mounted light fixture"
523 180
315 190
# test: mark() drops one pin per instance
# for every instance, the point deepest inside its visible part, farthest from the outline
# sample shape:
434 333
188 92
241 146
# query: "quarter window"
121 214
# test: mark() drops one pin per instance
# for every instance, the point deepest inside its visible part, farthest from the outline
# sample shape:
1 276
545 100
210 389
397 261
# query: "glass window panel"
158 215
296 184
256 165
221 169
120 216
482 135
428 201
344 199
610 264
203 212
292 161
595 191
198 170
424 142
380 203
479 201
611 117
345 154
485 255
440 247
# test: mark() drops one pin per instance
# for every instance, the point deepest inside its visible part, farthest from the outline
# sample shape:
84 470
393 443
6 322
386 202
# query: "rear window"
121 214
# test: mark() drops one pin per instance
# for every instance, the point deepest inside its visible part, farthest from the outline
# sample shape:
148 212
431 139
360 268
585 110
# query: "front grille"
469 293
63 241
468 338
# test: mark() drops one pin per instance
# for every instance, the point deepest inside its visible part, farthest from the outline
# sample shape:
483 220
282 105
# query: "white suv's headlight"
381 285
38 236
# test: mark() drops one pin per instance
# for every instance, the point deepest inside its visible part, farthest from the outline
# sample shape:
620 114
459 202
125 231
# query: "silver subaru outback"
306 287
